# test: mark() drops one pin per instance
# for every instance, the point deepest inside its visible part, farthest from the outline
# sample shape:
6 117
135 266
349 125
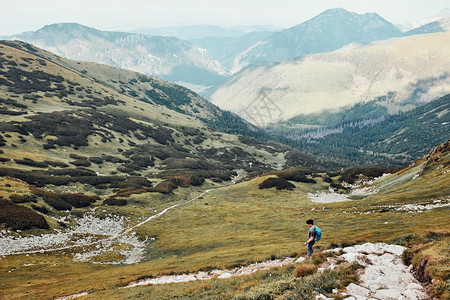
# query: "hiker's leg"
309 248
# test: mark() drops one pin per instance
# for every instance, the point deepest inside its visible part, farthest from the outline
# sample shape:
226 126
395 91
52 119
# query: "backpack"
318 233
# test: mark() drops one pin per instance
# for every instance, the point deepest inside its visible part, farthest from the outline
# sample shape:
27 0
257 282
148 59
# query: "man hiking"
312 237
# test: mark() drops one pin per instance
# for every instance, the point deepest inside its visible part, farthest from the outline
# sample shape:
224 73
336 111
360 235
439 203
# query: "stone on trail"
356 290
225 275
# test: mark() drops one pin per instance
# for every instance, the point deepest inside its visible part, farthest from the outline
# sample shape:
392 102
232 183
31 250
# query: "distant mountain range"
225 49
166 57
441 25
213 52
403 72
195 32
326 32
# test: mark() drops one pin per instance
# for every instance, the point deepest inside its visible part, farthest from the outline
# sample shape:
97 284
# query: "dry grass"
304 269
229 226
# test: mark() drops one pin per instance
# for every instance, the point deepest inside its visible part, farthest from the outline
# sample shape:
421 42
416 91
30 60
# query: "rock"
388 294
202 275
322 297
355 257
356 290
300 259
225 275
414 291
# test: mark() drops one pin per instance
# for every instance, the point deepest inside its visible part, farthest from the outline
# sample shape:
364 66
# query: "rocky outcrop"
384 275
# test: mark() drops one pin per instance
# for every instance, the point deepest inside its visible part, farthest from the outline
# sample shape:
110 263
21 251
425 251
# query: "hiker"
312 237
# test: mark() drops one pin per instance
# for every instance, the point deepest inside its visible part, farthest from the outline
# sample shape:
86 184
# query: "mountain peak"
64 26
336 11
326 32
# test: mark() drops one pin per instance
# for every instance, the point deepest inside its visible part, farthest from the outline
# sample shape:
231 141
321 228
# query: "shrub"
41 209
77 156
96 160
328 180
318 257
30 162
164 187
404 240
185 180
18 217
435 236
78 200
337 186
304 269
130 191
65 201
81 163
22 198
279 183
351 175
59 164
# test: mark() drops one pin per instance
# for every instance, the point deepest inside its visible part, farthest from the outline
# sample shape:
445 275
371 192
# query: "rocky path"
384 276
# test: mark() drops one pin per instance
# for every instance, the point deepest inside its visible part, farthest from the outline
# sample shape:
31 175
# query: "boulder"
225 275
388 294
356 290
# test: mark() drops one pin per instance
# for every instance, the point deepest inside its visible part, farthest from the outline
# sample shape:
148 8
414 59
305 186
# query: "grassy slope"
132 108
230 225
241 224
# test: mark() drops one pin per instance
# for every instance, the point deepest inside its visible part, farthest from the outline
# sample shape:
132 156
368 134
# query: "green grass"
227 227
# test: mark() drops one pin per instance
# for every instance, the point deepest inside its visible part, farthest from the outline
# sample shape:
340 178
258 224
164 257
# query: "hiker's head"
310 222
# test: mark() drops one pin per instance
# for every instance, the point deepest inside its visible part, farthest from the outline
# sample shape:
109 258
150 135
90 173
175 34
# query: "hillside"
56 109
226 227
72 126
108 177
402 72
330 30
167 57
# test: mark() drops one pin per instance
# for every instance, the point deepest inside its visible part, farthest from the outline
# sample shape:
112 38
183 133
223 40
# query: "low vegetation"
18 217
167 178
279 183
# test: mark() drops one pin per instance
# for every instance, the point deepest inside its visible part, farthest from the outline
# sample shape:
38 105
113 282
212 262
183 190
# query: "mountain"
402 72
195 32
326 32
224 49
441 25
445 13
60 115
167 57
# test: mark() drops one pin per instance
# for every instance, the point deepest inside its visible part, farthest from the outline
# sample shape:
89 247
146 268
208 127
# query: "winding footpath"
384 276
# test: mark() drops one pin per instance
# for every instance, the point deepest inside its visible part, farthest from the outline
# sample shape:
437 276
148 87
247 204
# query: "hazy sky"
29 15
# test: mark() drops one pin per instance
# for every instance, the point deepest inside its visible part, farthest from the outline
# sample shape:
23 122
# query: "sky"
30 15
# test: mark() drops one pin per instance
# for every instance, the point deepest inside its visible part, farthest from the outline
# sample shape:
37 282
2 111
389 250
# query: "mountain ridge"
393 69
166 57
328 31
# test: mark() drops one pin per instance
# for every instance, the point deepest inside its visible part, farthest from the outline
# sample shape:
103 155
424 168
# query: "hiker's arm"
309 240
